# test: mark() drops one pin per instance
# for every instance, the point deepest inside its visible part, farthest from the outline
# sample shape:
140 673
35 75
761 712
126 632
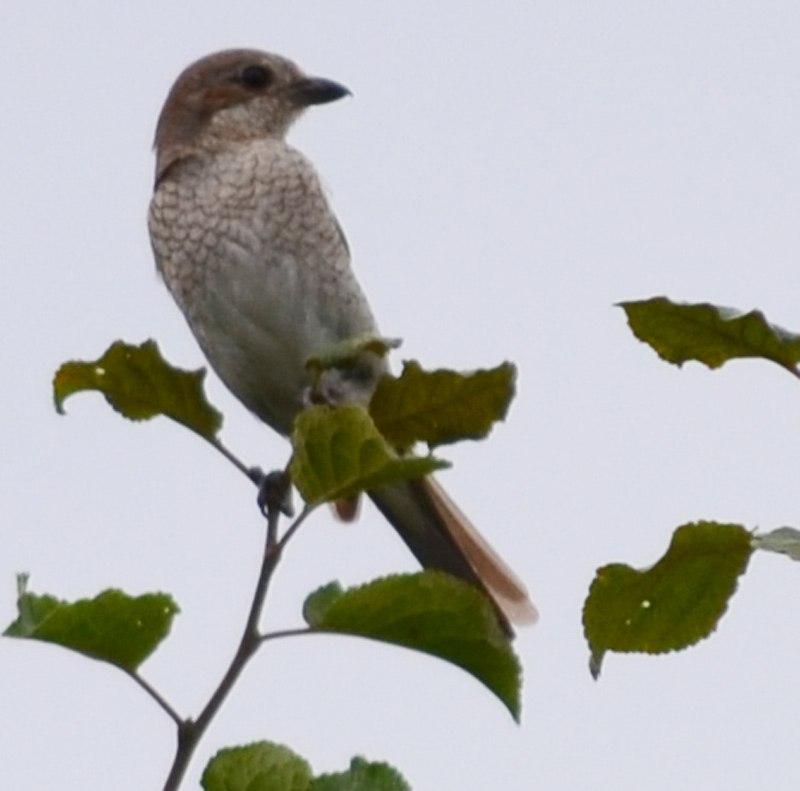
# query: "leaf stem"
792 369
288 633
294 527
228 454
156 696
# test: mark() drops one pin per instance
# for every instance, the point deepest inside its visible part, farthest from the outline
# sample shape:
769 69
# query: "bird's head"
236 95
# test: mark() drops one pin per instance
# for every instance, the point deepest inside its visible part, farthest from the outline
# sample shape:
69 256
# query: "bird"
244 236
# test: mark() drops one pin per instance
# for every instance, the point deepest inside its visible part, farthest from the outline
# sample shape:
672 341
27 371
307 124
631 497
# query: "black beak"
315 90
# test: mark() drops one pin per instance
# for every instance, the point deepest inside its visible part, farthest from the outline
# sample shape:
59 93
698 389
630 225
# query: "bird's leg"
347 372
274 491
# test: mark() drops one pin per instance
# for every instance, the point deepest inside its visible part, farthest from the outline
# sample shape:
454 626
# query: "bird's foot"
274 491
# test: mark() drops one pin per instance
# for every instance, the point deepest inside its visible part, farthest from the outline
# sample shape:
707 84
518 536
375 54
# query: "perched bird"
250 249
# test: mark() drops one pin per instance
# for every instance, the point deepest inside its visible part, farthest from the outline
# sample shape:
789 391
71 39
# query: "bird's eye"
256 77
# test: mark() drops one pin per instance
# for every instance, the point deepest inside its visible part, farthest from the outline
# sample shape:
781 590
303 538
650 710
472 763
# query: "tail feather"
441 537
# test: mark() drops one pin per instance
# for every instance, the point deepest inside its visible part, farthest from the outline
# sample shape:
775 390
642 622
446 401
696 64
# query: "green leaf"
262 766
362 776
673 604
338 453
265 766
430 612
316 605
441 407
709 334
139 384
112 627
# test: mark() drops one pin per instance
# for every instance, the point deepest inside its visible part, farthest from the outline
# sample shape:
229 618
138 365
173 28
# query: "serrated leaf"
441 407
430 612
709 334
139 384
784 540
339 453
673 604
317 604
362 776
112 627
262 766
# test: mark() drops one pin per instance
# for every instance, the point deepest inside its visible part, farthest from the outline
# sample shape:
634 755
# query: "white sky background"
505 173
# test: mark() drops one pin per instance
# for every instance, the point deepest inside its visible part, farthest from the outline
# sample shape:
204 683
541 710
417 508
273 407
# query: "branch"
191 731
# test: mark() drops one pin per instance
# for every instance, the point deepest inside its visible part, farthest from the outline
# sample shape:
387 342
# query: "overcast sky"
505 173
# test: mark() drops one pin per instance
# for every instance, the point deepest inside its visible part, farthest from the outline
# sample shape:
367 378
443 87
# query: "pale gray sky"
505 172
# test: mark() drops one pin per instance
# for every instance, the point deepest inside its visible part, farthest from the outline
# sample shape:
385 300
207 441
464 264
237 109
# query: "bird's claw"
274 491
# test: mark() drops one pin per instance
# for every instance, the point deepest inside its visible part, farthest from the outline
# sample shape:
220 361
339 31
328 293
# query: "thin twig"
156 696
191 731
286 633
293 528
229 455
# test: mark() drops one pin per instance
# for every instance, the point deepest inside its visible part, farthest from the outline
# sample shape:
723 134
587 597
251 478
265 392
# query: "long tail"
441 537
